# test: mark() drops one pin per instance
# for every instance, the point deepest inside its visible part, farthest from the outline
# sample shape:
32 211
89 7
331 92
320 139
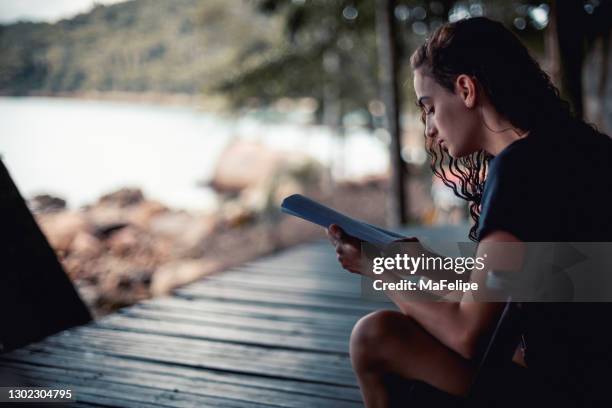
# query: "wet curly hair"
514 82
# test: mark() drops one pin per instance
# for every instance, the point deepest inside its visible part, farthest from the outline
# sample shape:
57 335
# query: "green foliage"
329 50
323 55
247 50
178 46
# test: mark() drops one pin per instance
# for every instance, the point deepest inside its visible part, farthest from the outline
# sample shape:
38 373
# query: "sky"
45 10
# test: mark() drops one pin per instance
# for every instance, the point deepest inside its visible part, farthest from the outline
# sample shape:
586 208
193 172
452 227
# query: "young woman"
531 172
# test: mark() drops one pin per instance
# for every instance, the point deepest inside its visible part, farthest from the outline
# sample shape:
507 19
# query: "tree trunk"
571 29
602 87
388 77
551 47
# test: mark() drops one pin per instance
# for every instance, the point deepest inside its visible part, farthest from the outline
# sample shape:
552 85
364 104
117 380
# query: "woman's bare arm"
460 324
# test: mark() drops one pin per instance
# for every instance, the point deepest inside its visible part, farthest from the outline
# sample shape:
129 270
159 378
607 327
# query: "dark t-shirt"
551 186
556 186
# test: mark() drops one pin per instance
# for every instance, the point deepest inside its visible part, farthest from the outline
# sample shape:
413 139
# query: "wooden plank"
221 356
269 362
291 340
247 319
313 265
193 389
287 313
324 297
123 394
80 361
220 291
157 394
297 365
308 259
330 275
238 323
349 285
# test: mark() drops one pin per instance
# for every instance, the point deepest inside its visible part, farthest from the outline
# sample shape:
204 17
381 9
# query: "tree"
331 52
389 88
576 26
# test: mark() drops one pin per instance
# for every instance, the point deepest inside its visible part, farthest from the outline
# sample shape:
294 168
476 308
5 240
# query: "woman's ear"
465 87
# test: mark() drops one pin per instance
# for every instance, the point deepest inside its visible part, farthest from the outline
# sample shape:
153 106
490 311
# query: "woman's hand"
348 249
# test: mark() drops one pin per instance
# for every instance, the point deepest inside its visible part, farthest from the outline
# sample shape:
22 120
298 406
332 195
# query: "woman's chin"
456 153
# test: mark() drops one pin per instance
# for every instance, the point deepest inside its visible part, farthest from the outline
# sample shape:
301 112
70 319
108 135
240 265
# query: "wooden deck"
271 333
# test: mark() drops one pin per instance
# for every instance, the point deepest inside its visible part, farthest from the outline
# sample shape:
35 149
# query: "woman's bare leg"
388 343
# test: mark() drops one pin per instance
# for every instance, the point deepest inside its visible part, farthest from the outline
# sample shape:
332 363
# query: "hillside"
159 46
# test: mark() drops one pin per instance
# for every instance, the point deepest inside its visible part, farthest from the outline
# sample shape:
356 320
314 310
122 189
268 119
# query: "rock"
88 293
136 279
45 203
244 164
61 228
120 273
104 231
78 268
86 245
142 214
235 214
122 198
171 224
139 248
185 230
107 214
261 177
125 241
177 273
296 174
192 238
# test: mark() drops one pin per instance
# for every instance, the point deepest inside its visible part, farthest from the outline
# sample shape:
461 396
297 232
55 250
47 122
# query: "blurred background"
155 139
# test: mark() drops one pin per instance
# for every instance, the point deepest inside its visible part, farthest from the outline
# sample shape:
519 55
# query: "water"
79 150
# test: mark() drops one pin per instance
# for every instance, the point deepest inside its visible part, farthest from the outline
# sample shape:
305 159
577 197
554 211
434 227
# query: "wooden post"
388 69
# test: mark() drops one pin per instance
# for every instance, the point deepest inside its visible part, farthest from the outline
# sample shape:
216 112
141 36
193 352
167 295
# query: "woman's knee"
370 336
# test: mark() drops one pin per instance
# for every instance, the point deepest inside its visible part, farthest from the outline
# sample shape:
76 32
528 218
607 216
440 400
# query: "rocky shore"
125 248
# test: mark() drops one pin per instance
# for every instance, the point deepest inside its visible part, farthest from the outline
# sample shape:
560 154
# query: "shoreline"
200 102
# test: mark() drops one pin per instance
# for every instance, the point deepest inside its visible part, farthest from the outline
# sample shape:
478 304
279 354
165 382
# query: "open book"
310 210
